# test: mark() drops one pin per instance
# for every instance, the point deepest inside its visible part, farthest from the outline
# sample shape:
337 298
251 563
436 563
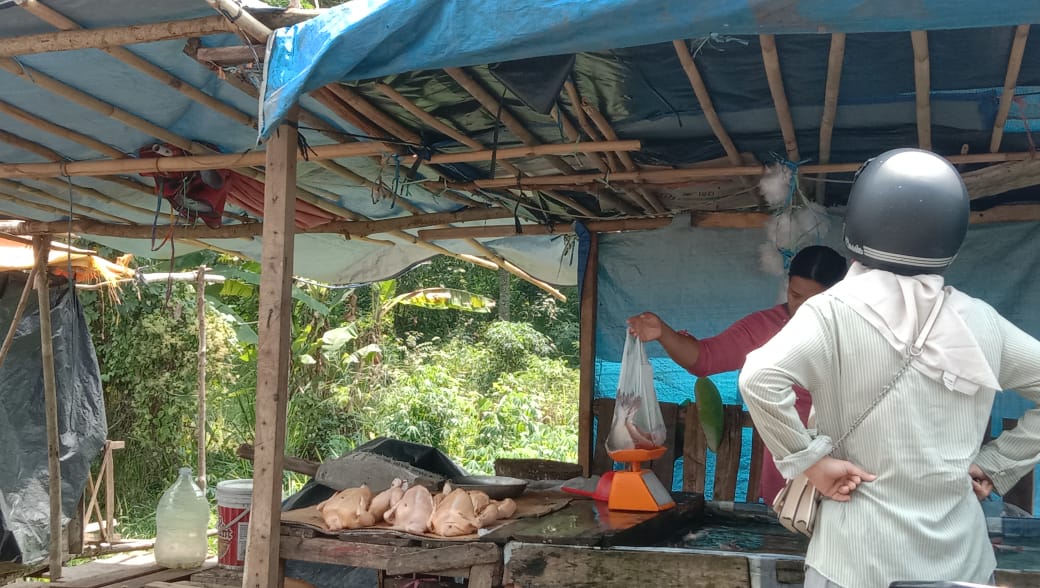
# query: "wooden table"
582 522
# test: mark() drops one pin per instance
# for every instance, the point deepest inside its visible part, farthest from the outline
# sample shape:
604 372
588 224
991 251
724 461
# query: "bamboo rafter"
700 90
649 200
105 38
491 105
771 60
922 88
454 133
835 62
1018 49
60 21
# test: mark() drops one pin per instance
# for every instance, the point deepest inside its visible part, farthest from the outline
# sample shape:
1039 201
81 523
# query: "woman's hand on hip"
646 326
837 479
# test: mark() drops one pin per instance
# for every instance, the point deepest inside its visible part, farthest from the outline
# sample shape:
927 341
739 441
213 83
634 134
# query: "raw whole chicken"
348 509
454 515
386 499
412 513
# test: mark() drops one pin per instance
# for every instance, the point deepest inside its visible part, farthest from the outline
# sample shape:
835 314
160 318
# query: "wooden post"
587 355
263 567
41 246
200 312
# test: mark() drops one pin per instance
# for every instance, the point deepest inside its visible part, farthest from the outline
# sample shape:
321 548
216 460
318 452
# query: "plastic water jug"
181 521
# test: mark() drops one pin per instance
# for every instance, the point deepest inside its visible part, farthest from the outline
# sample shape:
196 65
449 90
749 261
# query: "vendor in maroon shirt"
812 271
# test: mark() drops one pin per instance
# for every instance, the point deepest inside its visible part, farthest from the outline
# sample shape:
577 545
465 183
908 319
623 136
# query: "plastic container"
181 520
234 498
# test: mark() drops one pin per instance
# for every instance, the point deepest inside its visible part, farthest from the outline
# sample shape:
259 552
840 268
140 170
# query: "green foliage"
512 345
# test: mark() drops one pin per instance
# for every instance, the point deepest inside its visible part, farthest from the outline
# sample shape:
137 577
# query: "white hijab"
897 306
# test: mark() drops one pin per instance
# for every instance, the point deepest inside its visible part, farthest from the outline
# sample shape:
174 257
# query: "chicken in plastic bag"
637 423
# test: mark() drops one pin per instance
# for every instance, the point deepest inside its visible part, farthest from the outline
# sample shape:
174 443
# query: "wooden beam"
113 36
351 228
725 220
700 90
1008 213
200 376
60 21
649 200
922 88
291 464
273 356
771 60
235 12
1018 49
587 354
41 247
835 62
139 165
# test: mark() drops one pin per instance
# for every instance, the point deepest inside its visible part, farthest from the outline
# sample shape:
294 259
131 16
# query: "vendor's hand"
980 482
837 479
646 326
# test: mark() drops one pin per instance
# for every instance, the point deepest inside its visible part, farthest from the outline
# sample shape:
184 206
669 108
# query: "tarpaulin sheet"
703 280
371 38
82 427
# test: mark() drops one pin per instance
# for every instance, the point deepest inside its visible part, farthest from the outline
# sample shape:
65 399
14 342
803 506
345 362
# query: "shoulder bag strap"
913 351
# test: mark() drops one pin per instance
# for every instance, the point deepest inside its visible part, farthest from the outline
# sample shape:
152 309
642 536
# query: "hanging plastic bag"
638 423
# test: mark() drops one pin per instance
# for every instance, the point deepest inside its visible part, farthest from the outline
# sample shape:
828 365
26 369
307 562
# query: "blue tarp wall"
703 280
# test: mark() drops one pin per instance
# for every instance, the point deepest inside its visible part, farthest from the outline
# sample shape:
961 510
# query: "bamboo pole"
60 21
175 163
107 37
452 132
59 206
491 105
771 60
23 300
652 202
1018 49
200 314
613 144
239 18
835 62
386 122
574 136
584 122
60 131
513 269
922 88
352 228
677 176
700 90
41 245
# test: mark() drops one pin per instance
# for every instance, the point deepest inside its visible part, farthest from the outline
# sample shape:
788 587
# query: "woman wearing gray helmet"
903 371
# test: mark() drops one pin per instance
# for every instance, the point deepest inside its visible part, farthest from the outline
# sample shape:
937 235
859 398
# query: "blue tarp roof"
372 38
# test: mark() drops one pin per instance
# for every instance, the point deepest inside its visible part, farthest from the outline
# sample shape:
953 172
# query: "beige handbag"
798 503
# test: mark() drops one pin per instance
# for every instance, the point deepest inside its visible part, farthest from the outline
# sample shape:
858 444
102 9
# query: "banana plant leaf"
444 299
709 411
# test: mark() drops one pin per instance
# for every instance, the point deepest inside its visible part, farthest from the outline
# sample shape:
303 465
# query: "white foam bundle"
775 184
770 260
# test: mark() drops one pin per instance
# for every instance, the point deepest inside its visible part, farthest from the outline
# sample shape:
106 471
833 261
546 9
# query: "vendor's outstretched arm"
684 349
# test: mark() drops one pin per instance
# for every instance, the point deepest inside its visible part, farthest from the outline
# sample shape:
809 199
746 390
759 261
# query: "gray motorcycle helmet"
907 213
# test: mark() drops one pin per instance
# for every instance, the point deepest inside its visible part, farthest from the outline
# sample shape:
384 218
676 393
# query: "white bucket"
234 498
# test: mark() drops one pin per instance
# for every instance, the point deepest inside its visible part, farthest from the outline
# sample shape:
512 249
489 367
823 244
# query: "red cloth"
727 351
249 194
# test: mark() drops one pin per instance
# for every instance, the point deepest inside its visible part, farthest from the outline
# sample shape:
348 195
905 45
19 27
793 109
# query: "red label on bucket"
232 533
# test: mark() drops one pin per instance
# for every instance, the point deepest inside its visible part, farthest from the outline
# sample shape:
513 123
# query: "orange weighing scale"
635 488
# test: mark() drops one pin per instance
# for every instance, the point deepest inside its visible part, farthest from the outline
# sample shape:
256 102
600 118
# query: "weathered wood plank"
272 367
727 460
664 467
694 448
534 566
443 558
755 467
344 553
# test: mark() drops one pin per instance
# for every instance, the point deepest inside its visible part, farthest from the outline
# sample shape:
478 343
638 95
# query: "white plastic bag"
637 423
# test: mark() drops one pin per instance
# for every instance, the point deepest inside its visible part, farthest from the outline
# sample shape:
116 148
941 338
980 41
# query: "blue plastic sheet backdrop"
702 280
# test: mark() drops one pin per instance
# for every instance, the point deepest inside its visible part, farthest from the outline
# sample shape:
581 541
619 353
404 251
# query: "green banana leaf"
709 411
443 299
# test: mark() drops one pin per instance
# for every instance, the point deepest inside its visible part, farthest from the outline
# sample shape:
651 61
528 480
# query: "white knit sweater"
919 520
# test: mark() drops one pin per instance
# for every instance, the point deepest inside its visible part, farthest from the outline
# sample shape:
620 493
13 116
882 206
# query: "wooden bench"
684 430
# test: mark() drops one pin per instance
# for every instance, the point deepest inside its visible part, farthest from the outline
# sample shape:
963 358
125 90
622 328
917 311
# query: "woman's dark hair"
820 264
